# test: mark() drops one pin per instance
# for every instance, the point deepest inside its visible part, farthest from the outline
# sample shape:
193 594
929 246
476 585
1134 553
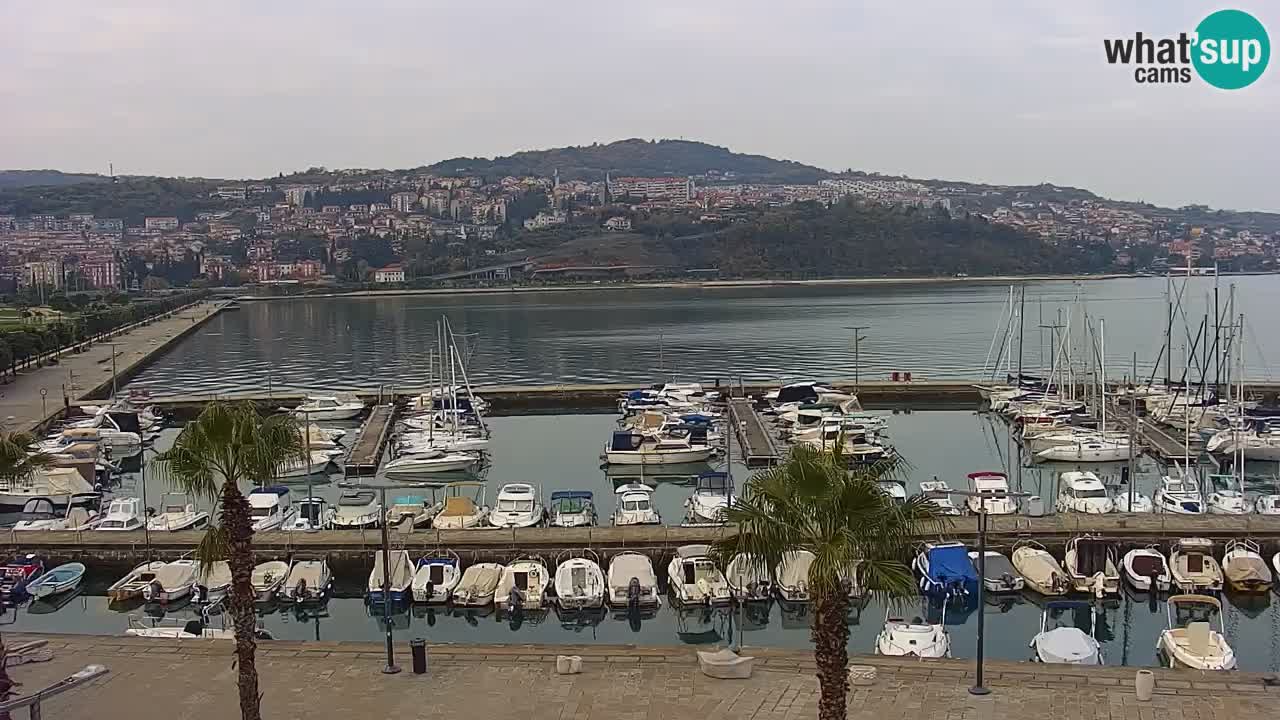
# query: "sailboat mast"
1102 371
431 392
1168 329
1022 322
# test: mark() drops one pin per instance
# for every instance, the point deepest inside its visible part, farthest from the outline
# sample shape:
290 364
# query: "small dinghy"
748 579
1145 566
1058 642
1244 568
695 579
632 581
1190 641
267 578
793 576
436 578
213 582
913 638
1193 567
938 492
523 585
131 585
172 581
579 584
1040 570
477 585
946 572
999 575
61 579
399 572
1091 563
308 580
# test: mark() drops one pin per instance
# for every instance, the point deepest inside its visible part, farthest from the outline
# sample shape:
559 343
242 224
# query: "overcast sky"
986 90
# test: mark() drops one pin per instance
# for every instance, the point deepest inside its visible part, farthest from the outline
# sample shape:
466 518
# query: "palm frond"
214 547
17 460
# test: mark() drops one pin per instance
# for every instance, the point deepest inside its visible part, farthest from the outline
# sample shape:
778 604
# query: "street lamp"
858 337
978 688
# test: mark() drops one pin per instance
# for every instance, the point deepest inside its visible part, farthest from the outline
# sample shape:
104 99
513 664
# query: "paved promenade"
20 400
196 680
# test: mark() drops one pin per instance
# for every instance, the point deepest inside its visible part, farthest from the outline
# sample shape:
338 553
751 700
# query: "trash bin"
418 648
1035 506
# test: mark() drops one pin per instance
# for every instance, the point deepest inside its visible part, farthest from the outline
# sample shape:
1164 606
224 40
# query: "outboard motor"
300 591
1006 581
155 590
202 593
430 590
633 594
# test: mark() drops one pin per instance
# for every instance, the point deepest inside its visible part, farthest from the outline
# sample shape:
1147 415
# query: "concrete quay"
195 680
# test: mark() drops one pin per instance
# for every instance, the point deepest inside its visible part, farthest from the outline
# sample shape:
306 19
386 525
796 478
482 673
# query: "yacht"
1226 496
1190 640
1058 642
517 507
994 488
315 463
1083 492
1178 495
523 585
1146 569
695 579
120 444
269 507
411 511
913 638
572 508
399 573
712 496
459 511
627 448
433 461
313 513
308 581
329 407
1193 567
1090 562
579 584
1088 449
634 506
436 578
123 514
938 492
357 509
632 581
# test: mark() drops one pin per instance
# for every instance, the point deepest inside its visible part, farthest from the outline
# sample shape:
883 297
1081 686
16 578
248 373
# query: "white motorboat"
517 507
308 580
632 581
315 437
357 509
1138 503
1190 640
459 511
329 407
39 514
478 584
1090 562
793 575
993 487
1267 505
579 584
938 492
628 448
270 507
177 512
399 572
1254 445
1244 569
1083 492
913 638
316 462
1063 643
1145 566
131 585
1275 564
172 581
122 515
61 579
213 582
1094 449
119 444
172 628
695 579
313 513
572 508
411 511
998 573
523 585
634 506
433 461
1226 496
896 491
712 496
436 578
59 485
1178 495
267 578
1193 567
748 579
1039 569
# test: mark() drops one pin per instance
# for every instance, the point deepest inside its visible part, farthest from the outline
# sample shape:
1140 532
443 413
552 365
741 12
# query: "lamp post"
858 337
978 687
391 667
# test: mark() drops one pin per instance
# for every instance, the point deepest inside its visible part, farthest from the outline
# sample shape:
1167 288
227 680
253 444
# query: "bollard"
418 649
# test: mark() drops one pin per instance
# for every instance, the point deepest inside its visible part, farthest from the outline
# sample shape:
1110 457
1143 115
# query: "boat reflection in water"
581 619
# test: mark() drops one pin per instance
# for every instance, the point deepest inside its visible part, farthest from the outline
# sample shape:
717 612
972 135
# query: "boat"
59 485
357 508
177 513
39 514
1061 643
993 489
1178 495
1090 562
118 444
895 490
1244 568
329 407
436 577
176 628
267 578
123 515
938 492
523 585
16 575
1267 505
945 571
1193 567
172 581
629 448
134 582
1190 640
913 638
316 462
694 578
1090 449
308 580
517 507
1145 566
213 582
1083 492
313 513
477 585
793 576
579 584
634 506
433 461
1139 503
61 579
399 573
712 496
632 581
410 511
1226 496
748 579
1039 569
572 508
998 573
461 512
269 507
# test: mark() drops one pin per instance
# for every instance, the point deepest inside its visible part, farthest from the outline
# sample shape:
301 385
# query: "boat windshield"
571 505
634 505
111 524
310 512
515 506
260 512
1098 493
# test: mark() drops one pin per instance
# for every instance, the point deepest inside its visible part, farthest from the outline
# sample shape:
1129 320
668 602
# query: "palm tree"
17 462
813 502
228 445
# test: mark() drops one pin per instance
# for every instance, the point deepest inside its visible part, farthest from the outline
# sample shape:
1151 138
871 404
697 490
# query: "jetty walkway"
195 680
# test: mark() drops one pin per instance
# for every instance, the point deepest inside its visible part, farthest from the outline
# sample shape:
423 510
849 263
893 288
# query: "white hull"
674 457
1084 453
410 466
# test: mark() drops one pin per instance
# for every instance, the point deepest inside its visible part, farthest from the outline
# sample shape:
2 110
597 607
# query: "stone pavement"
20 401
172 680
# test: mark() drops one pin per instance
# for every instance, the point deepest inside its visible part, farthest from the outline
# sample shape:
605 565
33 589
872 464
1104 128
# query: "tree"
16 461
811 502
226 446
6 358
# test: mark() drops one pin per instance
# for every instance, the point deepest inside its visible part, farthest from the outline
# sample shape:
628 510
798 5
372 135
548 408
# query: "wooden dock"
756 444
366 453
1165 443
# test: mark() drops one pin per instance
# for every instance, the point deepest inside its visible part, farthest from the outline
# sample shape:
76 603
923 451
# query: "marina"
366 454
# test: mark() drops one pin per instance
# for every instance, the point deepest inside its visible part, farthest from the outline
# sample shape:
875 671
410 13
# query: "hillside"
131 198
634 157
29 178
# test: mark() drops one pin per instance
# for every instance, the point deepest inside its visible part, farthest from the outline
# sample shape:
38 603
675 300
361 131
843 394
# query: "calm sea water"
762 333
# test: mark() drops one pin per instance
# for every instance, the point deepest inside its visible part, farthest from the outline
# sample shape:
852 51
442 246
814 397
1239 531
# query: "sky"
981 90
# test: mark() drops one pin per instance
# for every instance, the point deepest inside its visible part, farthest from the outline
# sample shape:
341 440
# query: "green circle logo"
1232 49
